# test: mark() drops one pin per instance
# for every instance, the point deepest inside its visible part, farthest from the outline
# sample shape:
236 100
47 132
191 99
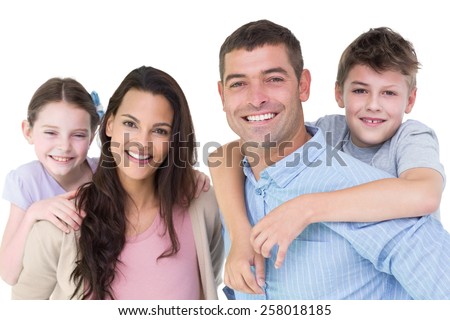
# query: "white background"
99 42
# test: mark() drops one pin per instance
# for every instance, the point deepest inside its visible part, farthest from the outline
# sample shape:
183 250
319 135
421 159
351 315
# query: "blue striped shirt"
395 259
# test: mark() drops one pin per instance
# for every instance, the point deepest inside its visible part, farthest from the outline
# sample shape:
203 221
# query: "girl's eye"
80 135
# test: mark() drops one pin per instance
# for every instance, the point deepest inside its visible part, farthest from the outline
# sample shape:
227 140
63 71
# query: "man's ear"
27 131
305 85
220 89
338 95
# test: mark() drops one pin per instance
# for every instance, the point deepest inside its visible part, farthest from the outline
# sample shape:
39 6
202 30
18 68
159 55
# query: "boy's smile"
375 103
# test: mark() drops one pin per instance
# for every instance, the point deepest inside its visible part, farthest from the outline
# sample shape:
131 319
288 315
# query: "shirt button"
258 192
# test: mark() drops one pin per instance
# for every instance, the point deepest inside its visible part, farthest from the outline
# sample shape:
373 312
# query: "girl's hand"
203 183
59 210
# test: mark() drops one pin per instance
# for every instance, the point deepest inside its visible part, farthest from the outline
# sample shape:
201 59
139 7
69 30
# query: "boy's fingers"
257 240
281 254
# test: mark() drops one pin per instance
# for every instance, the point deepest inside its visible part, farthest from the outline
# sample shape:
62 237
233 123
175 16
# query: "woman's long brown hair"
102 234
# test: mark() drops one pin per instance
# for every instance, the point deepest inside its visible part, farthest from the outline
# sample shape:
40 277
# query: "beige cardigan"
50 255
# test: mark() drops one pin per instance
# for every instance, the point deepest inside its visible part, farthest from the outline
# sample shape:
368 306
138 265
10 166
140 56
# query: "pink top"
141 276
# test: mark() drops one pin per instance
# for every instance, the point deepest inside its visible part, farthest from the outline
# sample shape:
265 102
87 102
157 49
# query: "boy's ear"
338 95
411 100
27 131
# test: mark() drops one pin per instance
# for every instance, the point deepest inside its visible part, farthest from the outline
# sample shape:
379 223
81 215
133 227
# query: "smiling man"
263 85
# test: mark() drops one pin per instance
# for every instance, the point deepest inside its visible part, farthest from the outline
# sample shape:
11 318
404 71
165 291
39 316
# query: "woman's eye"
130 124
161 131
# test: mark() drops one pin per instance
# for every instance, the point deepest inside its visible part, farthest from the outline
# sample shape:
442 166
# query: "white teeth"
60 159
261 117
138 156
373 121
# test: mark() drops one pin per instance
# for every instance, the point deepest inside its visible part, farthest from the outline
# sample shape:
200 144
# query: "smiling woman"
144 235
140 133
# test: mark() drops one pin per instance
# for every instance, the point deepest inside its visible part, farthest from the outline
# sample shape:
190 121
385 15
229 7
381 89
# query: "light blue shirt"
395 259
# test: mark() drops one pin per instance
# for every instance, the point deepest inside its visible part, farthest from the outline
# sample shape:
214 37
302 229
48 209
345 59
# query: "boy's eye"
80 135
390 93
359 91
50 133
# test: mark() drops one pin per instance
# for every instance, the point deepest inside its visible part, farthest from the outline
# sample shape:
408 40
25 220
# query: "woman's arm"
228 182
415 193
38 278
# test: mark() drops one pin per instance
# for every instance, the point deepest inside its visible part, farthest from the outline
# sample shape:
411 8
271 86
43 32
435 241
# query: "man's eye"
236 84
276 79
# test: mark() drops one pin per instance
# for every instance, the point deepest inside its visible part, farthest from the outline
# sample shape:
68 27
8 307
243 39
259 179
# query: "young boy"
376 84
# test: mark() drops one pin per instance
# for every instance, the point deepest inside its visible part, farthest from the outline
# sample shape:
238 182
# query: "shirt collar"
283 171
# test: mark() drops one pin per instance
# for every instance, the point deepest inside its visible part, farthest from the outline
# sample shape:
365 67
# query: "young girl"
144 235
61 124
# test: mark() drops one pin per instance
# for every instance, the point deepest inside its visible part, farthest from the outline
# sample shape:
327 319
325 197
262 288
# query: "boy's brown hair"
381 49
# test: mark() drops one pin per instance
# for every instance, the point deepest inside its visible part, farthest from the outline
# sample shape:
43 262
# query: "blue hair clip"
97 103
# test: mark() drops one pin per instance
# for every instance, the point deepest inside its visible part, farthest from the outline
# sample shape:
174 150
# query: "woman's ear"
109 126
27 131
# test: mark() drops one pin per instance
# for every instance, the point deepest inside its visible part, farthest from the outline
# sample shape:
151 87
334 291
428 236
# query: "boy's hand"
203 183
59 210
238 274
279 227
